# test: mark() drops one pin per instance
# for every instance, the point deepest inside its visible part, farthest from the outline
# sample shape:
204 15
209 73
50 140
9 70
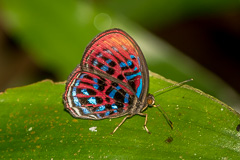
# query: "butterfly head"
150 100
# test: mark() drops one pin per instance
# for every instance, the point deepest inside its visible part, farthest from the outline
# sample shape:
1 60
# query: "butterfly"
111 81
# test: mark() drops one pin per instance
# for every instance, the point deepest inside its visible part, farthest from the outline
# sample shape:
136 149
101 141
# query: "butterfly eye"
150 99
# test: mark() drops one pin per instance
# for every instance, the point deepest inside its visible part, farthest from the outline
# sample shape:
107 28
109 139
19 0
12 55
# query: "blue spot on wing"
114 106
98 115
114 91
107 113
95 62
82 75
77 82
85 110
101 108
139 89
76 101
74 91
118 87
133 75
108 61
95 80
92 100
95 86
132 56
135 68
126 98
84 91
112 94
122 64
129 63
104 68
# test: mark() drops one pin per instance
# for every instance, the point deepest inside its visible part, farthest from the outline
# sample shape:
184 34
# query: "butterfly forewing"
118 56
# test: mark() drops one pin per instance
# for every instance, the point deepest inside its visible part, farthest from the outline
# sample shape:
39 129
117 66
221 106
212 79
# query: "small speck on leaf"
93 129
169 140
30 129
75 120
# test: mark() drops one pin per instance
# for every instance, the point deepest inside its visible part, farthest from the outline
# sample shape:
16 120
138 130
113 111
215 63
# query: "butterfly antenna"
177 84
165 115
161 109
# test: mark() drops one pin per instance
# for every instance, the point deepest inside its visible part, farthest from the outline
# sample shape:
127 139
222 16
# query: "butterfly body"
111 81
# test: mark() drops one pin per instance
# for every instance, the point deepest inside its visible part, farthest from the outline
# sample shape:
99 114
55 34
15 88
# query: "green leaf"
34 125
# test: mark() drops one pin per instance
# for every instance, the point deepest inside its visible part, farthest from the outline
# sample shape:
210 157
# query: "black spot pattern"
101 88
114 84
108 106
131 83
110 71
120 77
124 68
99 100
112 64
107 99
109 90
131 66
120 105
119 97
87 77
90 91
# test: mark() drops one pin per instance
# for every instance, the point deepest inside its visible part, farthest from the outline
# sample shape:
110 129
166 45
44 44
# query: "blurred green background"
180 39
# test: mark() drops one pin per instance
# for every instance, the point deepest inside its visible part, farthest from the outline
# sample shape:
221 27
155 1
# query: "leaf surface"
34 125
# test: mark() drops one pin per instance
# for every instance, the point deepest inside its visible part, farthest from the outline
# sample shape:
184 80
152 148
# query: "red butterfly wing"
111 79
117 55
91 96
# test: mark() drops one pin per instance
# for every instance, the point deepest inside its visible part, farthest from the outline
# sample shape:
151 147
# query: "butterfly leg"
128 116
145 123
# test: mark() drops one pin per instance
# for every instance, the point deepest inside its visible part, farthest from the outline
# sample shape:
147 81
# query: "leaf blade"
34 122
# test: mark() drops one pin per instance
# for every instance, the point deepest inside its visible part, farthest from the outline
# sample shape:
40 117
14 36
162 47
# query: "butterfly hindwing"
91 96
